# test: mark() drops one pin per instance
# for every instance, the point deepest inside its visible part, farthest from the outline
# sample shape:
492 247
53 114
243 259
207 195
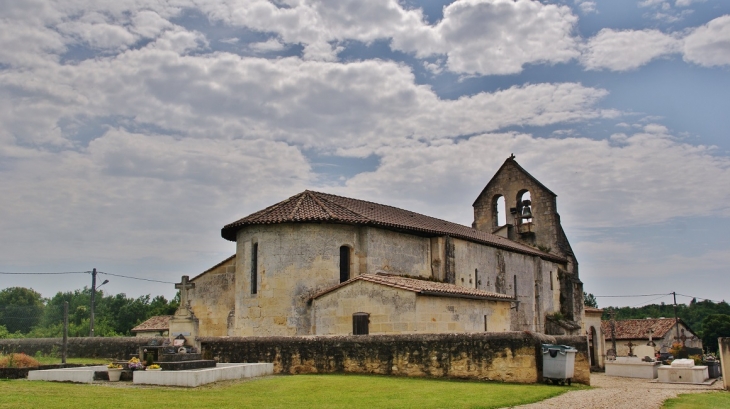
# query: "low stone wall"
98 347
505 356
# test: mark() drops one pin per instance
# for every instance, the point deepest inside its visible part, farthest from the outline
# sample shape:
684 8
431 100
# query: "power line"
136 278
628 296
652 300
700 298
66 272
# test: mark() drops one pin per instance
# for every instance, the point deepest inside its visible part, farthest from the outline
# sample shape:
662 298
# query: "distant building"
156 326
662 331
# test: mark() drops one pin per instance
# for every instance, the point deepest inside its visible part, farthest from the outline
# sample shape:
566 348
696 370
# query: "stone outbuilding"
650 335
593 329
299 261
157 326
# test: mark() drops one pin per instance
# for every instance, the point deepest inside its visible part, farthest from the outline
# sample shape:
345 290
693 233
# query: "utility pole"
93 301
676 320
613 330
93 298
65 332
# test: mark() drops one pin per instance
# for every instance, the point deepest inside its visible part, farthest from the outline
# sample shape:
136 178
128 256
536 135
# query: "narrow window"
551 281
485 323
254 268
476 278
360 323
344 264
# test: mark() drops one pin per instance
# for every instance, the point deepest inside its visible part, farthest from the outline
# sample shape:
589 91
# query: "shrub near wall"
506 356
98 347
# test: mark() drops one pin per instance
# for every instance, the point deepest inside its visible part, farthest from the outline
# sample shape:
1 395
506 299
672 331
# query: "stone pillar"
724 349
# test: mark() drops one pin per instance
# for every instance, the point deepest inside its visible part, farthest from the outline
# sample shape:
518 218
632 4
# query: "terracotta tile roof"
591 309
424 287
310 206
156 323
637 329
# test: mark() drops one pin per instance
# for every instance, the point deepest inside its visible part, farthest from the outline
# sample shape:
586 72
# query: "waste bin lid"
561 348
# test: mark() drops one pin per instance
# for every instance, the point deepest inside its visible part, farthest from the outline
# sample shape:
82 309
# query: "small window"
551 281
254 268
360 323
485 324
344 264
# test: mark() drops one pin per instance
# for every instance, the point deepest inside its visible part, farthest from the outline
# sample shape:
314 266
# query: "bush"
18 361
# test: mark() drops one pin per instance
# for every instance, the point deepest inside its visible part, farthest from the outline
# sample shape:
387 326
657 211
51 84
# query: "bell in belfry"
526 212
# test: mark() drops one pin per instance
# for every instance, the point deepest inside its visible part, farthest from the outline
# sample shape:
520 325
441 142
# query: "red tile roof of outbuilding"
424 287
638 329
156 323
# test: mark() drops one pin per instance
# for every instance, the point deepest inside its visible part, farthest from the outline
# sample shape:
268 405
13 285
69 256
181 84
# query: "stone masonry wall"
99 347
508 356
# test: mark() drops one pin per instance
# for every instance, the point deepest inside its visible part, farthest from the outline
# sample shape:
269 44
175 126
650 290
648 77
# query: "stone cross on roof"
184 286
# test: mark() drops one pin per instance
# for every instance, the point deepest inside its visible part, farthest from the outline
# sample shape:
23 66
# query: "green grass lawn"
699 401
300 391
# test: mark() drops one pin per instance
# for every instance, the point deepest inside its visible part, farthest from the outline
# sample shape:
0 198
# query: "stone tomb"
632 367
683 371
186 378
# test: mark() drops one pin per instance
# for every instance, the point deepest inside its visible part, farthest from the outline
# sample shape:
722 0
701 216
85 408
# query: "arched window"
344 264
500 214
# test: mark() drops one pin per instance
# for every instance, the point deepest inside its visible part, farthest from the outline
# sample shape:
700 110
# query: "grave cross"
650 343
684 339
184 286
631 346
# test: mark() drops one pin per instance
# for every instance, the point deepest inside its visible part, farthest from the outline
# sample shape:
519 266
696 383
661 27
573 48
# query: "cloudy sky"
131 131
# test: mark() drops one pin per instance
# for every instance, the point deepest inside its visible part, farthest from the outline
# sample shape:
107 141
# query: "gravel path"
619 393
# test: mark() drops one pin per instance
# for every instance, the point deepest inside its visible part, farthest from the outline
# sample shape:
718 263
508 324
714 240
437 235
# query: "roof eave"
467 296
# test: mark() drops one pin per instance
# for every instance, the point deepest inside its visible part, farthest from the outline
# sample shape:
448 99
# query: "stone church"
320 264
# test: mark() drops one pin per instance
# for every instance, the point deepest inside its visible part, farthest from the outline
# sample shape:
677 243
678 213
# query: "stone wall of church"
398 311
496 270
212 299
294 262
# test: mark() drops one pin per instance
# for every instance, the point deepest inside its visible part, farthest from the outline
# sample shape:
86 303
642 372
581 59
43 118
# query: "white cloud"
586 7
687 3
626 50
496 36
133 195
709 45
269 45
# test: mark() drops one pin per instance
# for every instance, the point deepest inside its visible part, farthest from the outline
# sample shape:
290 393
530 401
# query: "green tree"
590 300
20 309
713 327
